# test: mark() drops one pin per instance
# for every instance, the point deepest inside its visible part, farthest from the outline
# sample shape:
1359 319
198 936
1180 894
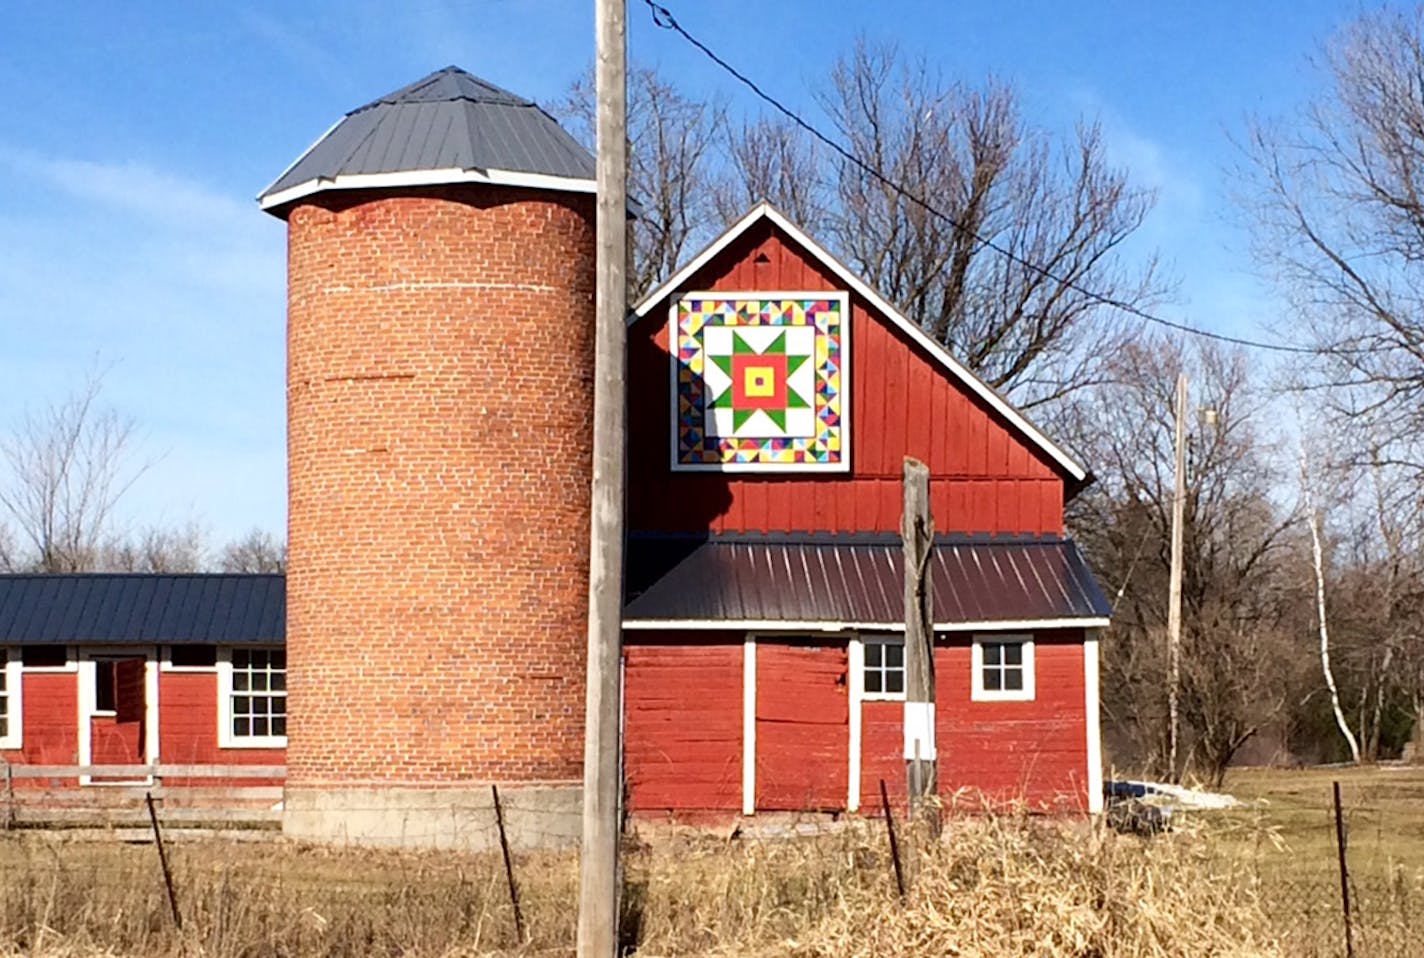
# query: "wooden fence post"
1340 844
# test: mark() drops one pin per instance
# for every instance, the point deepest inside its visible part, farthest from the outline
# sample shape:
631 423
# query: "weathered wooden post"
917 535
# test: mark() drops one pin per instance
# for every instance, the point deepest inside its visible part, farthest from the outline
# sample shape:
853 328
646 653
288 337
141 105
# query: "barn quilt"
760 382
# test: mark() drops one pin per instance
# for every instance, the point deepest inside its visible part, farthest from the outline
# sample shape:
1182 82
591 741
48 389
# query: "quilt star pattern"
760 381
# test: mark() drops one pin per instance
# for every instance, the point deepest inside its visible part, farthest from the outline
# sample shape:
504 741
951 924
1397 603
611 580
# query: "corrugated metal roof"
855 580
38 609
450 120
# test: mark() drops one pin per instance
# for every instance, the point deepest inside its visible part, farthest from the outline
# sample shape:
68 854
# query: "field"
1255 881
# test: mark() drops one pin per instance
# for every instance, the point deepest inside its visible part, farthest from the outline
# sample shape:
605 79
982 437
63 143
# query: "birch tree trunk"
1313 517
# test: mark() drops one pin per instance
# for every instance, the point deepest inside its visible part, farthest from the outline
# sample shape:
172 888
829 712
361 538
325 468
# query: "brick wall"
440 348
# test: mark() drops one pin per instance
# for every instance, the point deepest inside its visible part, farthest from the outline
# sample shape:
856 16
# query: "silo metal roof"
450 127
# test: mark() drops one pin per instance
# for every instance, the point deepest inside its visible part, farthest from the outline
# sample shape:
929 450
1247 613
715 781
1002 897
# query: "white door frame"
87 657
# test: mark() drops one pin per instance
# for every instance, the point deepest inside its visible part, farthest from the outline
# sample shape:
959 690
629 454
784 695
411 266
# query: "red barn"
439 408
773 396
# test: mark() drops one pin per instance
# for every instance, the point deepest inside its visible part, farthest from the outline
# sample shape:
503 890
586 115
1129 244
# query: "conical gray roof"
450 127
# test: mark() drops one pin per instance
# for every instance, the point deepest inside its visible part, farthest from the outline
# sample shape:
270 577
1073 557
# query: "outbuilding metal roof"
850 581
452 126
118 608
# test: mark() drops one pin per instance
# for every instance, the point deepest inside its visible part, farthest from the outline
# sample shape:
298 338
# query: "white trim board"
749 667
14 736
1092 722
976 385
87 707
408 178
772 625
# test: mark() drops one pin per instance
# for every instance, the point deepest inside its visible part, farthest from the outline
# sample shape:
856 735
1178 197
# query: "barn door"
802 721
115 698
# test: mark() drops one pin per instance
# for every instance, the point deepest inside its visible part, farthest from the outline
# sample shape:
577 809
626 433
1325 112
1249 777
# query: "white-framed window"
252 697
1003 668
883 672
10 708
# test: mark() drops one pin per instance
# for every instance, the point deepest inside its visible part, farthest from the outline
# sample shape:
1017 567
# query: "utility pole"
917 536
598 860
1174 594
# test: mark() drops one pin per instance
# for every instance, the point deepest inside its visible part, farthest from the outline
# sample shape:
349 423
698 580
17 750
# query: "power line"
663 17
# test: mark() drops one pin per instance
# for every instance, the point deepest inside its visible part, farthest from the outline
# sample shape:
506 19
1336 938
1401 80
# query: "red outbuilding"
141 670
773 398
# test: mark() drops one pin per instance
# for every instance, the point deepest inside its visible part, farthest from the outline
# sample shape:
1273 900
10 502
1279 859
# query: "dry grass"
993 887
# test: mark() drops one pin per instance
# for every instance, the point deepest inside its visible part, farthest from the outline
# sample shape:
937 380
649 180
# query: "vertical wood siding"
188 730
802 725
683 722
51 722
984 478
993 752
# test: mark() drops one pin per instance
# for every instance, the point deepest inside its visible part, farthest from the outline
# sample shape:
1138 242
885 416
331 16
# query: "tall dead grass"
992 886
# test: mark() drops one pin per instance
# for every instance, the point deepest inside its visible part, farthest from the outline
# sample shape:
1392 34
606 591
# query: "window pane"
259 726
104 679
259 682
1013 653
872 681
992 680
279 681
895 682
277 660
239 681
241 727
872 654
4 721
279 725
895 656
242 705
1013 680
992 653
2 678
241 659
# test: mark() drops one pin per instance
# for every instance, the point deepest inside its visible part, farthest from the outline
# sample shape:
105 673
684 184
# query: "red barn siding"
50 726
802 725
998 752
188 729
984 477
1035 751
683 722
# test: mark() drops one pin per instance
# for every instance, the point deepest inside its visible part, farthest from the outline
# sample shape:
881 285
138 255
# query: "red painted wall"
51 721
683 721
188 728
802 725
994 752
984 478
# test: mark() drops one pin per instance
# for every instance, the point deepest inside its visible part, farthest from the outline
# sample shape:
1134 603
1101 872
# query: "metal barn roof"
450 127
840 581
120 608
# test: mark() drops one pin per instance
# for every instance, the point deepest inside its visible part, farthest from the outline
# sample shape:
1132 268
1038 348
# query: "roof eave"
273 202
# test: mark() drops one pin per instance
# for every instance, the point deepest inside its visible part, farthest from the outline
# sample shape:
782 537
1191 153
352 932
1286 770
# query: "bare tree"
1025 311
159 550
1240 616
69 465
671 139
1337 199
258 551
770 159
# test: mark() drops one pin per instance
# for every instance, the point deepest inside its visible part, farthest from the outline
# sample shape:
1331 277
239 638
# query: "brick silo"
439 399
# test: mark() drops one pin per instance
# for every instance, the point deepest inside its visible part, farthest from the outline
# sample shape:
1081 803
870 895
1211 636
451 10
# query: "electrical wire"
663 17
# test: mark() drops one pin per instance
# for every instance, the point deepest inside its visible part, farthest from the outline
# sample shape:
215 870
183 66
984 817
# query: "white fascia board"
976 385
772 625
443 177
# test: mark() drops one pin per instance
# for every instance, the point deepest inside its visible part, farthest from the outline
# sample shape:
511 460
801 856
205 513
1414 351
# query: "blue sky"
134 137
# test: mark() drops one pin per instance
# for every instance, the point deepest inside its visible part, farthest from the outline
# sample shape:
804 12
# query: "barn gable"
992 471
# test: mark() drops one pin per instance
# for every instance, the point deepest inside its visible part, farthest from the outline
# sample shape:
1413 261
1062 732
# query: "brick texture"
440 347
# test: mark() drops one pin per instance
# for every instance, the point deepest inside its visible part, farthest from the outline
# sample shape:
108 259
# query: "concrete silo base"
459 818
